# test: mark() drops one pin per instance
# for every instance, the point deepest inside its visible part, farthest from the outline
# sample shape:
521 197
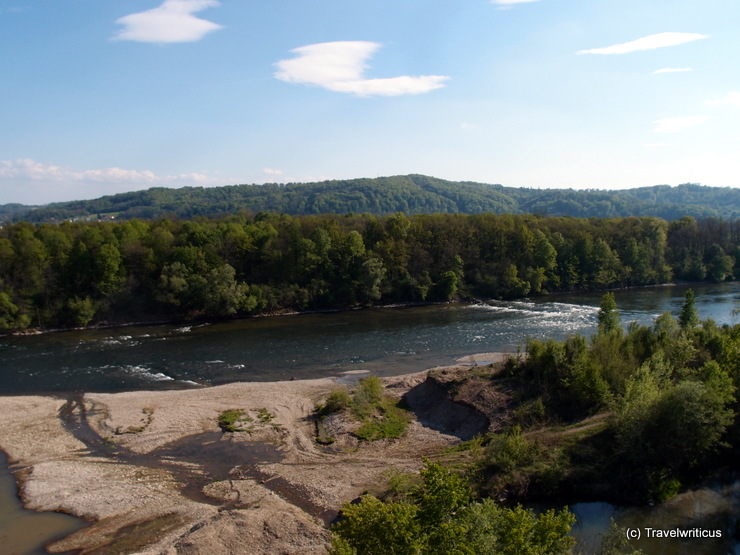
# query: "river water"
24 532
385 341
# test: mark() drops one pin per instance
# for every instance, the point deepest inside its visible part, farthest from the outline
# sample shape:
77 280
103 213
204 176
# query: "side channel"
27 532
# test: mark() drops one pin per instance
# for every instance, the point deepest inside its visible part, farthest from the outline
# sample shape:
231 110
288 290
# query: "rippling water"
384 340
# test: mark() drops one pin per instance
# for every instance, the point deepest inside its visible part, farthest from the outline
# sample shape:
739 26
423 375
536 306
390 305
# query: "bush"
380 415
337 401
439 517
392 423
509 451
367 396
229 419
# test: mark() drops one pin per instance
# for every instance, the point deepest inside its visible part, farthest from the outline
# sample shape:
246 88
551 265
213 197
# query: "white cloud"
672 70
31 170
508 3
271 171
33 182
339 67
650 42
173 21
673 125
732 99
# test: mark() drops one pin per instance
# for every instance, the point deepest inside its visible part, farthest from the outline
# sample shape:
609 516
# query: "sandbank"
136 497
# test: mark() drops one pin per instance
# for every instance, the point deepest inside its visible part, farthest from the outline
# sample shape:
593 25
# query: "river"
385 341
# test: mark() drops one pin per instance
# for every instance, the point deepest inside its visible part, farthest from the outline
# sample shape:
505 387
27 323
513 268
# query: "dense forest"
80 273
411 194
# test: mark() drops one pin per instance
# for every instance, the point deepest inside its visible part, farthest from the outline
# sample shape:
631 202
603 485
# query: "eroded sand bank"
153 473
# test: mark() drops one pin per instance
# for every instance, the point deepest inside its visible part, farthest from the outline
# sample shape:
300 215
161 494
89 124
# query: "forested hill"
411 194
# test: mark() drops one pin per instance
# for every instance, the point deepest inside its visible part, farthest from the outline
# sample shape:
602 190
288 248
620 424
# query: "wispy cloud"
732 99
26 169
508 3
339 67
271 171
672 70
173 21
673 125
651 42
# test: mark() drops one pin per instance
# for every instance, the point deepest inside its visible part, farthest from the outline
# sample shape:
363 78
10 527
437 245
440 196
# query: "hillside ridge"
411 194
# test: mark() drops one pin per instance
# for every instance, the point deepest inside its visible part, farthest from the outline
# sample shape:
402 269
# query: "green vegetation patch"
250 421
636 413
232 420
440 516
380 415
265 416
390 421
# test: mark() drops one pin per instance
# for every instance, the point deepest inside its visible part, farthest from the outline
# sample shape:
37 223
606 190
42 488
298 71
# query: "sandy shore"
134 494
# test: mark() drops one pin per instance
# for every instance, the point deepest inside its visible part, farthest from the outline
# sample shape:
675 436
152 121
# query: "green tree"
512 285
11 317
441 495
222 295
688 422
440 518
719 264
371 278
372 527
495 530
689 317
608 316
80 311
447 285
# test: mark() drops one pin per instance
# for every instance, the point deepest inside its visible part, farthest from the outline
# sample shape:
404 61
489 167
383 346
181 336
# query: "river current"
384 341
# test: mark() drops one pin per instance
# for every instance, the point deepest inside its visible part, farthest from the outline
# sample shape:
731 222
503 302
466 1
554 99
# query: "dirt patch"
433 408
474 386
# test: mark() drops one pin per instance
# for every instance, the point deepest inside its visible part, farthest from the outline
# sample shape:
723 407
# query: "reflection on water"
385 341
713 512
24 532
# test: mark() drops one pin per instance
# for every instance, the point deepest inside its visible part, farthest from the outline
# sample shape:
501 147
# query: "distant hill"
412 194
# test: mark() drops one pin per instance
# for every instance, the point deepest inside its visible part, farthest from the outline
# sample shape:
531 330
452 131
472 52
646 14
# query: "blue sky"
100 97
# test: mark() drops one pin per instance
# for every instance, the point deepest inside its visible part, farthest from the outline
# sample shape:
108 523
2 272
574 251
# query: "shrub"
392 423
439 517
229 419
380 415
337 401
265 415
367 396
509 451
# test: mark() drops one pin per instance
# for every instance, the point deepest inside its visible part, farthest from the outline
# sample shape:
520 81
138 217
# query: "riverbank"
205 321
152 472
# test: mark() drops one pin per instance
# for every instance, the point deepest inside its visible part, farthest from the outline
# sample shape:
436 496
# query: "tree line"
78 273
411 194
